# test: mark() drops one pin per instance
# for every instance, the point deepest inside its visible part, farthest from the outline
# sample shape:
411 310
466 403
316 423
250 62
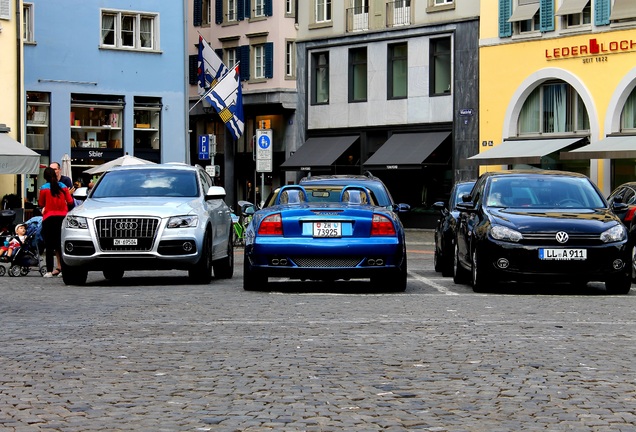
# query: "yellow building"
557 81
11 107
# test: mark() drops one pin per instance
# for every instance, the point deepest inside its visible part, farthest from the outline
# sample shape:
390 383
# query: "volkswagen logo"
125 225
562 237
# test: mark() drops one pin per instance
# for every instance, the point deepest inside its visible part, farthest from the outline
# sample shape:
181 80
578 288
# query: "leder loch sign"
593 51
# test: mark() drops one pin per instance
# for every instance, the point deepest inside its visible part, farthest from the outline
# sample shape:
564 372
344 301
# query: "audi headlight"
183 222
614 234
76 222
500 232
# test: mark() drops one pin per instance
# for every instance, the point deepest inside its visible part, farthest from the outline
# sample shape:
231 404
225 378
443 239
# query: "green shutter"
244 58
218 12
505 10
547 16
193 65
601 12
269 60
197 13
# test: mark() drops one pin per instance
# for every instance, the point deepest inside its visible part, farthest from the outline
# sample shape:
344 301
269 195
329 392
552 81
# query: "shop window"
126 30
147 123
320 78
96 121
397 87
552 108
440 80
358 74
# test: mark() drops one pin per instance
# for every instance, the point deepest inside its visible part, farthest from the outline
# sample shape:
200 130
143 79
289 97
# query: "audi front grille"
143 230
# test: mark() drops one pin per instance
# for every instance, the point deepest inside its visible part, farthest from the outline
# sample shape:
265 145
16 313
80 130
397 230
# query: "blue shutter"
505 10
197 13
241 6
218 12
601 12
244 58
268 8
547 16
269 60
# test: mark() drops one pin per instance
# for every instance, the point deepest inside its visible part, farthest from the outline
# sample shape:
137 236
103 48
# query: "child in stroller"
25 251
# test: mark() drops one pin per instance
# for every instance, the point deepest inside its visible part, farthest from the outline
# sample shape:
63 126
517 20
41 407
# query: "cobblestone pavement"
155 353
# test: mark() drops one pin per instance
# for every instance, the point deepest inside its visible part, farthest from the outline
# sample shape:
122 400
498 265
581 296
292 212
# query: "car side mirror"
215 192
617 199
618 206
249 210
468 207
439 205
401 208
81 193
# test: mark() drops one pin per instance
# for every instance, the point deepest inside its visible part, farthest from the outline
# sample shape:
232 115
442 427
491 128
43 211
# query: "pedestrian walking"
54 200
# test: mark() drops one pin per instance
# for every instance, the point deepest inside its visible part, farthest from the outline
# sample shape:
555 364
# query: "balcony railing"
358 18
398 13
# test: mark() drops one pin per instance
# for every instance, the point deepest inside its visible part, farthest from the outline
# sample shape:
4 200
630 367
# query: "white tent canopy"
123 160
16 158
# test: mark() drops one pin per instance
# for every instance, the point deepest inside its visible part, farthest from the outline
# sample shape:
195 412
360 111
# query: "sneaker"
49 274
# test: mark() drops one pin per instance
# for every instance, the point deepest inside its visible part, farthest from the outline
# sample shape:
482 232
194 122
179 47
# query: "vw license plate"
563 254
327 229
124 242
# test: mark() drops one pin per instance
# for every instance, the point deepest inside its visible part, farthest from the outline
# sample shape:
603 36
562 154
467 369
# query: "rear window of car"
319 194
147 183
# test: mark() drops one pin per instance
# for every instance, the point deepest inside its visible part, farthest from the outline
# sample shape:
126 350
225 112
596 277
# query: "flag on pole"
210 68
227 99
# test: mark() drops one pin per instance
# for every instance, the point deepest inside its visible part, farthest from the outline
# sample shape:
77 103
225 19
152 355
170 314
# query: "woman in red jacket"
54 201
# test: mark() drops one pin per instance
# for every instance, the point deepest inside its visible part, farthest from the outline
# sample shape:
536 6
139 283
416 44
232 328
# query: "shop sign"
593 48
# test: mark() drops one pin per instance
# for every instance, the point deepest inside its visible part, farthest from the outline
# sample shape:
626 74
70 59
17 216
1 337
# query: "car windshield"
543 192
147 183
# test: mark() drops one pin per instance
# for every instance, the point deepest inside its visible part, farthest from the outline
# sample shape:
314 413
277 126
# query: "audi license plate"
327 229
124 242
563 254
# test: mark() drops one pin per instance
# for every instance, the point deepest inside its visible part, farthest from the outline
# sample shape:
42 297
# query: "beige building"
11 79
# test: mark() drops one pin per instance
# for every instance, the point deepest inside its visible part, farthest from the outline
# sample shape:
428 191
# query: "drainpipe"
18 26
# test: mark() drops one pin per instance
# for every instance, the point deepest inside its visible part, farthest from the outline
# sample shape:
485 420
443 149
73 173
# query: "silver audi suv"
149 217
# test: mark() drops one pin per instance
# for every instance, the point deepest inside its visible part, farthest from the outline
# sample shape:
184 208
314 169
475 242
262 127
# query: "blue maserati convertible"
328 228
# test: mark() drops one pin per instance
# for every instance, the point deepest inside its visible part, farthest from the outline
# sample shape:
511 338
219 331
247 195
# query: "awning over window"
623 9
318 153
572 7
524 12
16 158
521 152
613 147
406 150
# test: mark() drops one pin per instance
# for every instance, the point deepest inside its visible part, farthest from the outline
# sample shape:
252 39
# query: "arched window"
628 116
553 108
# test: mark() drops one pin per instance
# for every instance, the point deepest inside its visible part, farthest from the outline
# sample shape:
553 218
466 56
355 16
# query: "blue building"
105 78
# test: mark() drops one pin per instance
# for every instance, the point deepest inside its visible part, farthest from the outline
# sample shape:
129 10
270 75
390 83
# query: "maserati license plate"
327 229
124 242
563 254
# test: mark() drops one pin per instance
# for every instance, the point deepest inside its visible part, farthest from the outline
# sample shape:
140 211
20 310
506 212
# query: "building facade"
259 36
103 80
389 87
557 87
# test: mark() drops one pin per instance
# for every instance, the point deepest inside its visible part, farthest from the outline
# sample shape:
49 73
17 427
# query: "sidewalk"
417 236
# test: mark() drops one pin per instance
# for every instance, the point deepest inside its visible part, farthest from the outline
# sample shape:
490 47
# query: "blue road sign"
204 147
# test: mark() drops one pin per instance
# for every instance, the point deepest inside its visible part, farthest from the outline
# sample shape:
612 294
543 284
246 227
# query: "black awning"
406 150
318 153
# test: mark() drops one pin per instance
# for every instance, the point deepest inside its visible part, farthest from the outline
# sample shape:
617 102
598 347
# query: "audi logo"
562 237
126 225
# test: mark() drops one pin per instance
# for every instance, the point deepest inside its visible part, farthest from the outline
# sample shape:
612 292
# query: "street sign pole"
264 156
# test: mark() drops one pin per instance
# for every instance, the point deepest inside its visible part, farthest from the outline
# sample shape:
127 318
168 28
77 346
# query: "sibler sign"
594 47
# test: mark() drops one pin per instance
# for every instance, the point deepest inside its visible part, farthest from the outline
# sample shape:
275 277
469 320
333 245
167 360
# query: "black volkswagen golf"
539 225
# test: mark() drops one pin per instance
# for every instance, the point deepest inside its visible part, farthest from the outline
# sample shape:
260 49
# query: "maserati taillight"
382 226
271 225
630 214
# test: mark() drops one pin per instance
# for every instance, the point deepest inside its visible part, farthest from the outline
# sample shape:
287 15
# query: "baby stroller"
27 257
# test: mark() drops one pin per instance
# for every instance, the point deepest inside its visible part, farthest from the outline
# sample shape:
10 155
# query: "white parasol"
120 161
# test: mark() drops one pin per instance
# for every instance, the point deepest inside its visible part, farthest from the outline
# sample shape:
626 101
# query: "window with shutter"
505 11
269 60
547 15
5 9
193 61
197 13
218 11
601 12
244 58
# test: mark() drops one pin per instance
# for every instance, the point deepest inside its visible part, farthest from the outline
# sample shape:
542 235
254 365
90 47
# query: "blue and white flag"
210 68
227 99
